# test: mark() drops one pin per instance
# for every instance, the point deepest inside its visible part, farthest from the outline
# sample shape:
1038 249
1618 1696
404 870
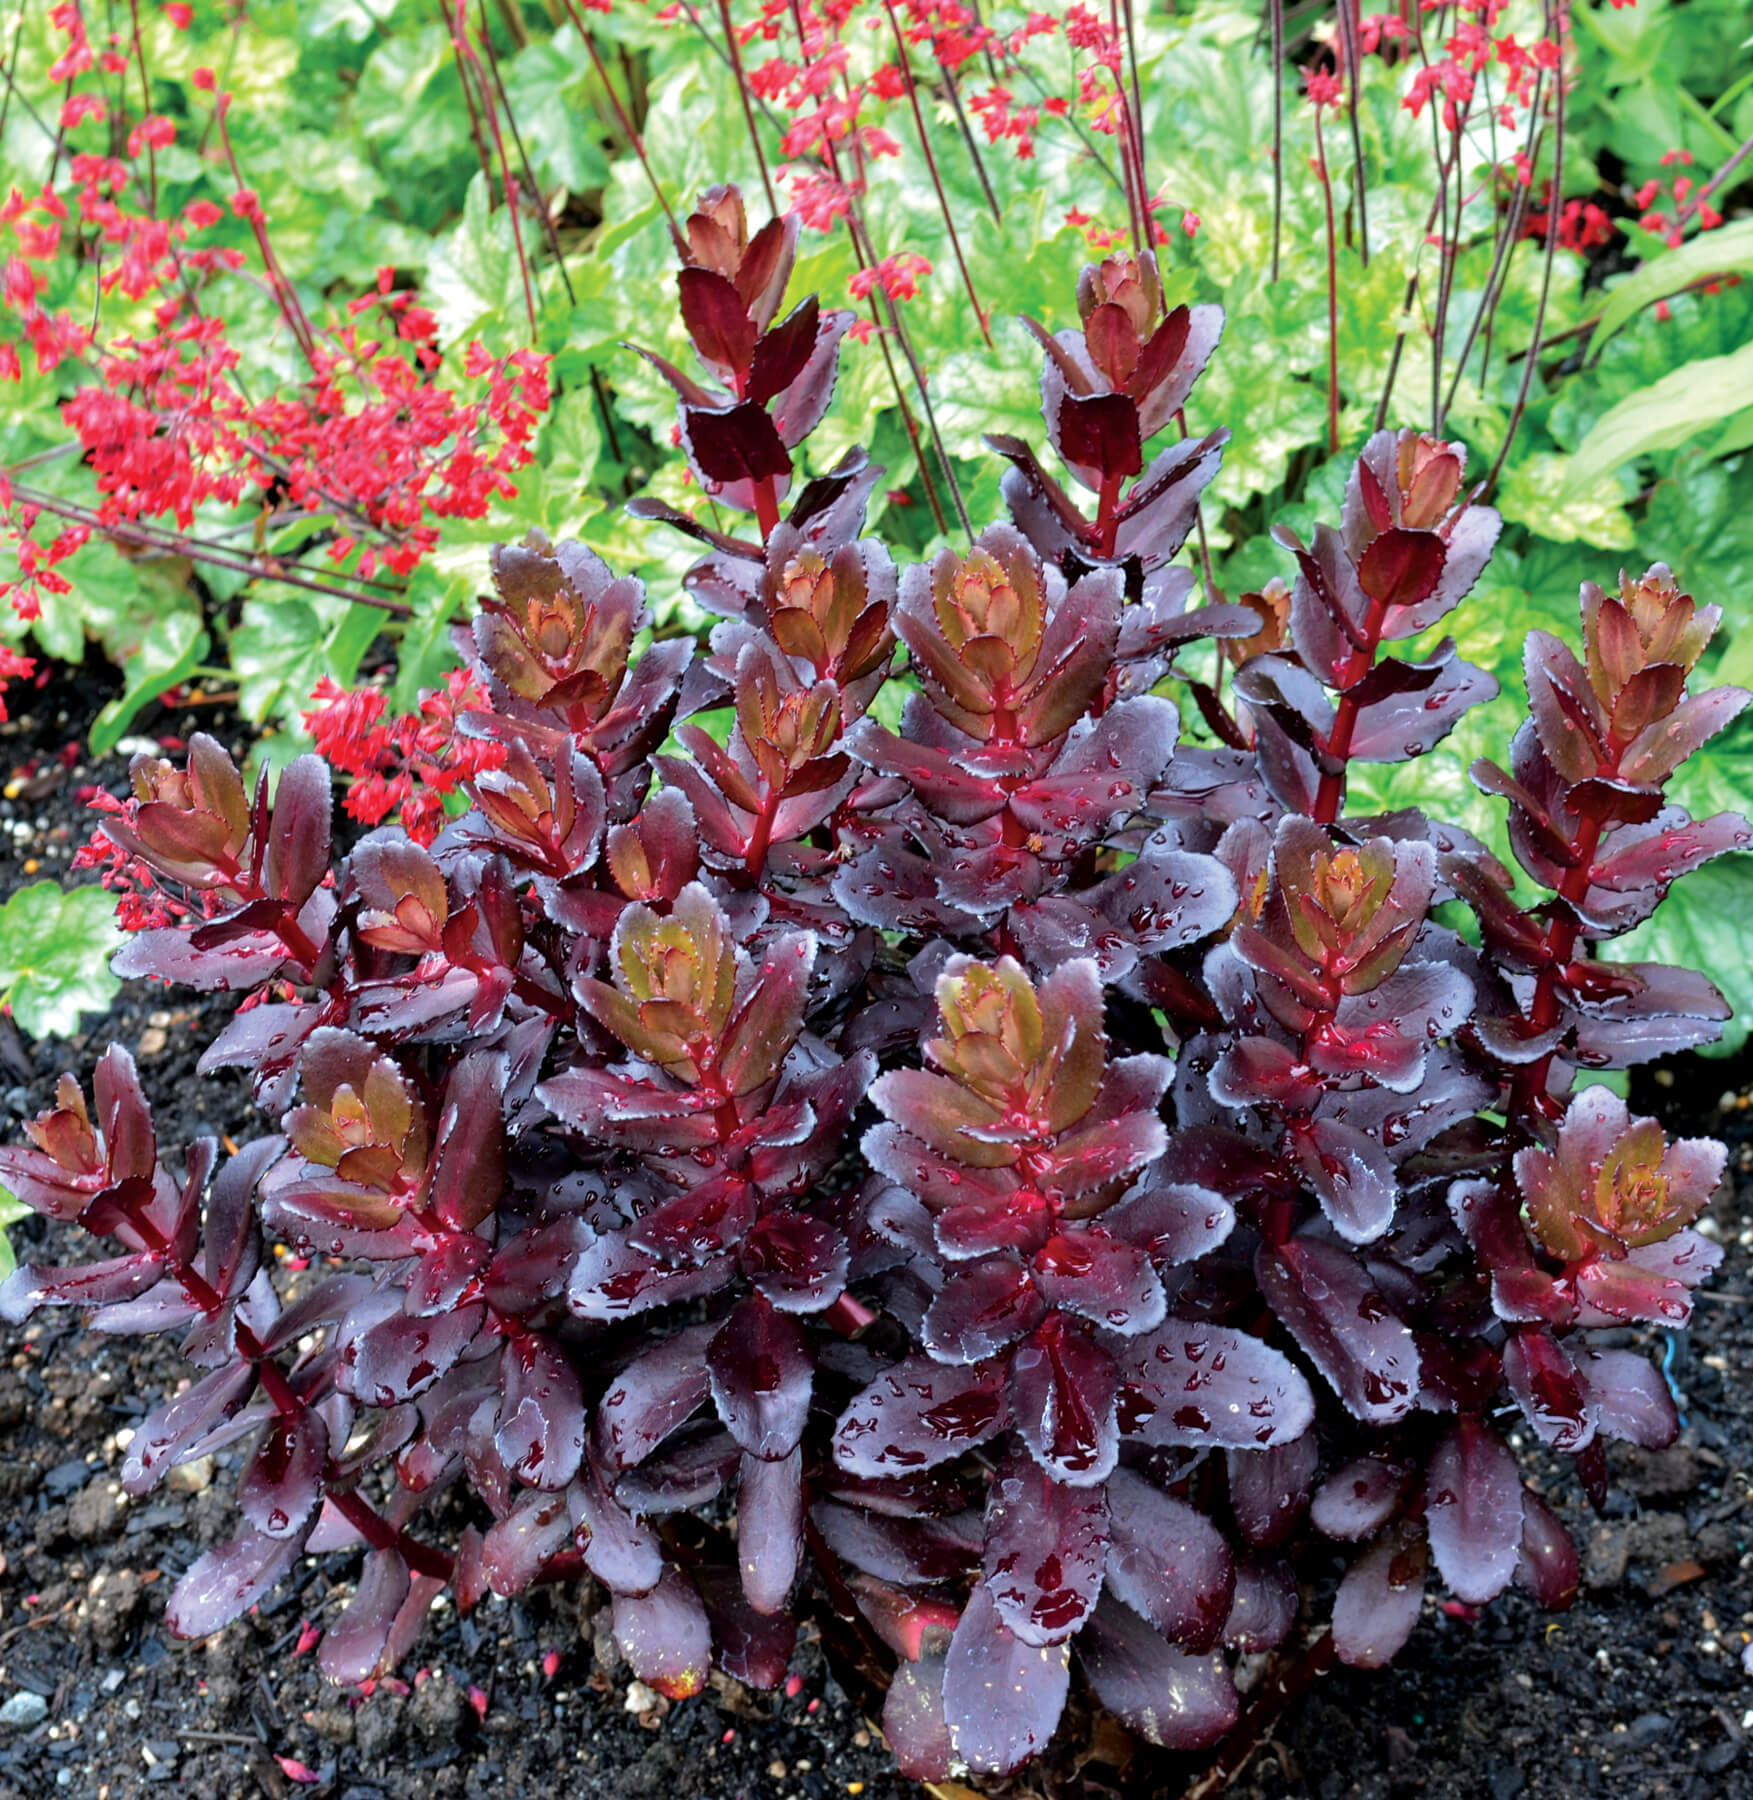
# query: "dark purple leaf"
468 1160
1630 1398
799 1263
980 1309
907 1551
399 1357
281 1485
1359 1498
298 843
1169 1697
652 1396
171 1428
769 1528
540 1438
1172 1221
1168 1562
1553 1396
1193 1384
1345 1327
1063 1392
748 1646
1264 1609
1547 1566
1105 1278
1350 1174
1044 1550
1001 1697
354 1645
622 1552
761 1375
913 1720
1269 1489
920 1413
1473 1510
665 1636
1380 1598
225 1583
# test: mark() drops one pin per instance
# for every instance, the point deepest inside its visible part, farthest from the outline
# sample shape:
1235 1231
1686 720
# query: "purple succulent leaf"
1171 1221
283 1482
1629 1397
750 1647
1349 1172
652 1397
1547 1565
1169 1697
1101 1277
770 1528
1409 724
798 1263
1660 748
761 1377
622 1552
168 1430
1044 1551
1329 1304
981 1309
665 1635
919 1414
468 1161
1553 1394
226 1582
1473 1511
1264 1609
1269 1489
798 408
1359 1498
1192 1384
83 1284
354 1645
914 1726
612 1280
1063 1390
1168 1562
298 841
1380 1598
1001 1697
540 1435
399 1357
904 1550
1104 774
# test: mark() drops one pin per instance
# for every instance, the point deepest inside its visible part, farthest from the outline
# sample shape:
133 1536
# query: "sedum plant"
861 1117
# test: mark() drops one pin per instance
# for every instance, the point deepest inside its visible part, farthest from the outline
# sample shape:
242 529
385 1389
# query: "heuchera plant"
1016 1183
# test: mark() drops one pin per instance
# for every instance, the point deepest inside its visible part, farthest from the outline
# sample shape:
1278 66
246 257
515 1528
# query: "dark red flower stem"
735 57
931 165
633 137
1275 10
1332 291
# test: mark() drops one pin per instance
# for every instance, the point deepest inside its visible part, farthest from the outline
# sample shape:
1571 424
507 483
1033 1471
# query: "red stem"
742 87
931 164
766 506
1332 293
1331 794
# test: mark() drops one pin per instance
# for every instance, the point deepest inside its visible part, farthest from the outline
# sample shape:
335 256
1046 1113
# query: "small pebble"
24 1710
639 1699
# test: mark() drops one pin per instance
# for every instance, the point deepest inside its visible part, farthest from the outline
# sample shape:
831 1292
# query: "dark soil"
1637 1692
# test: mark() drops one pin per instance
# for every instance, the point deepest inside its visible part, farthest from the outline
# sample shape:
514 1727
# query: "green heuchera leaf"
55 950
1663 416
1703 925
1723 252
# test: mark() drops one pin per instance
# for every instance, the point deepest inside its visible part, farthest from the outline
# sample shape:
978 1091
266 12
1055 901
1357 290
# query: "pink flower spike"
294 1770
309 1636
478 1700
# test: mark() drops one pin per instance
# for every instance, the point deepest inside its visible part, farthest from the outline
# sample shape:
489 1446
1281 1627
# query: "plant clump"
863 1115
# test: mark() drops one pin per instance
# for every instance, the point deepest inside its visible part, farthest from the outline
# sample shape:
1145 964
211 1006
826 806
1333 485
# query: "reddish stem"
1332 292
1331 794
766 506
1108 514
